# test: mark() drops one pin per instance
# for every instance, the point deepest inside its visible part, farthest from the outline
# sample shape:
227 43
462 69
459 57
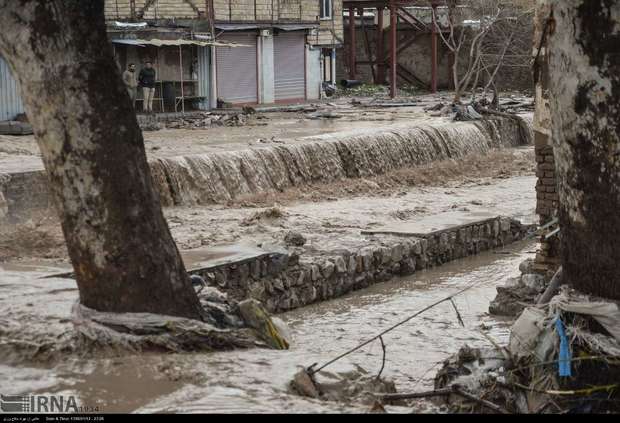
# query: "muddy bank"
256 380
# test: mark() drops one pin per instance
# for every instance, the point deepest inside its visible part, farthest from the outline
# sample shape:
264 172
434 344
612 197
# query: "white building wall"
313 73
266 76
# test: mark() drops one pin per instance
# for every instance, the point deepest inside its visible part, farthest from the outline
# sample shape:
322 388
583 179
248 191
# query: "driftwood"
483 402
454 389
553 287
414 395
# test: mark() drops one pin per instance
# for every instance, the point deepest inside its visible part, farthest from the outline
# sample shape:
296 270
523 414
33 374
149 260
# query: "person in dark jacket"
147 79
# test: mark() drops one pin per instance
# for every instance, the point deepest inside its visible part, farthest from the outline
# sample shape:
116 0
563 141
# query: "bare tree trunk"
585 113
124 257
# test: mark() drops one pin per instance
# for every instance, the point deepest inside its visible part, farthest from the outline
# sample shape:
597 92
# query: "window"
326 8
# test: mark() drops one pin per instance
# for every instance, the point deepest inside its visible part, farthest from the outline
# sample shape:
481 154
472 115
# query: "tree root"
139 332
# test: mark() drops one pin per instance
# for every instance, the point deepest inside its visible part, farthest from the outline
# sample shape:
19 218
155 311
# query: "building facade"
220 52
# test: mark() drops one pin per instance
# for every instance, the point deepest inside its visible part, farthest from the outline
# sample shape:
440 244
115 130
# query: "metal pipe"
182 92
434 52
380 50
352 46
393 48
350 83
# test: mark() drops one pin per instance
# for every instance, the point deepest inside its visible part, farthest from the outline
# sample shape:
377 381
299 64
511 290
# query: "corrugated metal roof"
161 43
10 100
283 27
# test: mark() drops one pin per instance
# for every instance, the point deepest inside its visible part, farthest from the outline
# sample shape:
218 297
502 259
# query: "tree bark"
584 66
124 257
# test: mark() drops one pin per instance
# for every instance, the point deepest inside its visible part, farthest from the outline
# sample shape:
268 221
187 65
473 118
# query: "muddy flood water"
256 380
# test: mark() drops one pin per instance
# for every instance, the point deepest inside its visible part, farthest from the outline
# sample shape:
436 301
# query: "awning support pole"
379 59
434 52
181 67
352 44
393 48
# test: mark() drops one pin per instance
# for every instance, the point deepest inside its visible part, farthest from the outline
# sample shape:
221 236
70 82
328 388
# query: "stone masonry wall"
287 281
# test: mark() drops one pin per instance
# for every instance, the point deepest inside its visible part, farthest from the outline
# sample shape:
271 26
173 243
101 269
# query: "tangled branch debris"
562 356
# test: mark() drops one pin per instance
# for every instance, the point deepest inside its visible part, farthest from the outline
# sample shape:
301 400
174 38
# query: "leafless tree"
480 34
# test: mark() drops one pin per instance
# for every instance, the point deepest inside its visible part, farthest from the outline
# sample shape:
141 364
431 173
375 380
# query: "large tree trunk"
124 257
584 71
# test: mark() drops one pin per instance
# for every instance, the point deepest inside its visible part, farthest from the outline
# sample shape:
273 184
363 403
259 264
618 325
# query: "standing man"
147 82
131 82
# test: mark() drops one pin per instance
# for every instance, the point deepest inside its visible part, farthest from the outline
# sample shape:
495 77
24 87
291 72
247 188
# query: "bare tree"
479 34
124 257
584 68
506 47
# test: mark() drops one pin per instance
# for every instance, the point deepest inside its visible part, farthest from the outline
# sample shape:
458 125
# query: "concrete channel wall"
286 280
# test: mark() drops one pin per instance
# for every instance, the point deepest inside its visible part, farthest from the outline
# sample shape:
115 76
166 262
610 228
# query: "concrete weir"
217 178
224 176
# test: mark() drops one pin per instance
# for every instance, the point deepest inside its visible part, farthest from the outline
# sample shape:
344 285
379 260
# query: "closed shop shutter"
10 100
289 64
237 80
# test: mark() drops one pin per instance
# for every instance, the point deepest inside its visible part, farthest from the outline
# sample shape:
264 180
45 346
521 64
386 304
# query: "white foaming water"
220 177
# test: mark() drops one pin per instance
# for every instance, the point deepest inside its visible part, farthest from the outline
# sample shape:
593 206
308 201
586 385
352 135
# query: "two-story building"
234 51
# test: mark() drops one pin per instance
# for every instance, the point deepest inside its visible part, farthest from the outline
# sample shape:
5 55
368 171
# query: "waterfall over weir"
219 177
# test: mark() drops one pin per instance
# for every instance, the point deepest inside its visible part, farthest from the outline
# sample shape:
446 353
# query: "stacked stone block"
287 281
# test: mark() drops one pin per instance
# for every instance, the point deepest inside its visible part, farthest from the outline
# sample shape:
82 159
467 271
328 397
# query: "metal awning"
162 43
295 27
282 27
130 24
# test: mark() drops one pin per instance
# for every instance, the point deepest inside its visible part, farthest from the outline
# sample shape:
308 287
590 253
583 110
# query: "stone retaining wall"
287 281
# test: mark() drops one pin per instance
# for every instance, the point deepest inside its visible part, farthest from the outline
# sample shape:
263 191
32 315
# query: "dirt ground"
501 182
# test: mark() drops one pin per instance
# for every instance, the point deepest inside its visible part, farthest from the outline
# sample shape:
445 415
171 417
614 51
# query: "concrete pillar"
313 73
266 70
213 85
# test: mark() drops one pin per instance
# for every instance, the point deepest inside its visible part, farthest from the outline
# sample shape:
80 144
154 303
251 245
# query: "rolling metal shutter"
237 80
204 76
290 67
10 100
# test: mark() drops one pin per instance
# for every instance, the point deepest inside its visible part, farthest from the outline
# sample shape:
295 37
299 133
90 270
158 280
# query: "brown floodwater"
36 310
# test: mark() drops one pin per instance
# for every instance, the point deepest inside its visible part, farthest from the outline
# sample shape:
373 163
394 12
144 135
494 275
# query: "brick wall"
547 258
281 11
155 9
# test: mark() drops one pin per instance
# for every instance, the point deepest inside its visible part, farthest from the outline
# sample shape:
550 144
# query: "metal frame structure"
398 13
